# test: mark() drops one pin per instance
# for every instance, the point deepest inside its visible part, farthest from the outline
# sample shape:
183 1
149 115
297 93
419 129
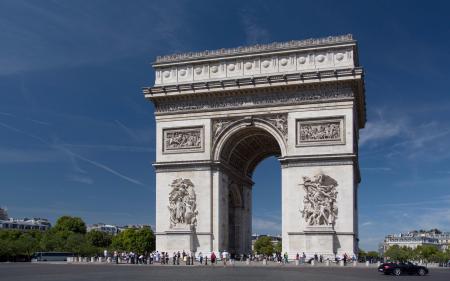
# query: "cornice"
254 82
259 48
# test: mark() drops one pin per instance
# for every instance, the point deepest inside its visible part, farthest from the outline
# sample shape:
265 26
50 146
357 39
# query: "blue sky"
77 136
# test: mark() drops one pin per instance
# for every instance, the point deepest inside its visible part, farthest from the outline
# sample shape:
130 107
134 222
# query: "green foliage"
99 239
278 247
401 254
426 252
14 244
141 241
373 254
71 224
264 246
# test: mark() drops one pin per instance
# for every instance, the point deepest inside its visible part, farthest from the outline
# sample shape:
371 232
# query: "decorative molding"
219 125
181 140
319 202
207 103
271 64
256 48
320 131
279 121
182 204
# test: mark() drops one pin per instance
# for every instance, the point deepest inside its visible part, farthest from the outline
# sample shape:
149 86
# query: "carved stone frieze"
256 48
182 203
269 99
320 131
319 202
183 139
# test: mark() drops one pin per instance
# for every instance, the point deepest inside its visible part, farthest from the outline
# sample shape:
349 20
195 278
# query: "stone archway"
219 113
246 142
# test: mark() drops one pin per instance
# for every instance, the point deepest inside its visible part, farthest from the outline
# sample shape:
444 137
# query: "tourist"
286 258
213 258
224 258
200 257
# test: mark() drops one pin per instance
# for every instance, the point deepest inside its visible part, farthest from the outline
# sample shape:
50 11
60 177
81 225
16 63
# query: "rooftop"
275 46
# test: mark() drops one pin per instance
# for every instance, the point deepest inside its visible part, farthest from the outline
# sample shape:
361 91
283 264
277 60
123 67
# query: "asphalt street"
91 272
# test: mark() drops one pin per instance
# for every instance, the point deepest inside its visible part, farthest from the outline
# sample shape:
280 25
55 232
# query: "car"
402 268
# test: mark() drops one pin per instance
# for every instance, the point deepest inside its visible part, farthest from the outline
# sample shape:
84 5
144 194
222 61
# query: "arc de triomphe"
220 113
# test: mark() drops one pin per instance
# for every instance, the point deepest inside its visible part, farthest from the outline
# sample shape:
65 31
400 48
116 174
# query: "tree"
278 247
71 224
99 238
373 254
397 253
141 241
264 246
426 252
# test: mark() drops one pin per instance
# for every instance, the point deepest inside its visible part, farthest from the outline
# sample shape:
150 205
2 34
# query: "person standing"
224 258
213 258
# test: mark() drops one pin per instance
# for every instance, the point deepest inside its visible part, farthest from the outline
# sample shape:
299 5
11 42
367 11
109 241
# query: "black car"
402 268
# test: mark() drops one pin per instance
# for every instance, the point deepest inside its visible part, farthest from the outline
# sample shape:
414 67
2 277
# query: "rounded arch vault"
246 142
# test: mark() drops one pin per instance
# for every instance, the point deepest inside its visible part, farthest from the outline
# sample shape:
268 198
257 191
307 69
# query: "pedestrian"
320 258
213 258
286 258
200 257
206 260
297 257
224 258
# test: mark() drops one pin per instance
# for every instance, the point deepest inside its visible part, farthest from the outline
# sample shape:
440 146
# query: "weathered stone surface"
218 116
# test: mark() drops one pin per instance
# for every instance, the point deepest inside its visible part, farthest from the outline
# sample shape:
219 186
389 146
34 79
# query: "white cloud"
80 178
379 130
266 225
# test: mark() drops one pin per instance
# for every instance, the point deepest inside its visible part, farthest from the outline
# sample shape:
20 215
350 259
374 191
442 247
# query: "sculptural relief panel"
182 204
182 140
320 131
319 202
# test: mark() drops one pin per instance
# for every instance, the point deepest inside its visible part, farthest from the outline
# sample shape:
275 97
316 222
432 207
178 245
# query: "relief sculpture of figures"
319 203
280 122
183 139
182 203
320 132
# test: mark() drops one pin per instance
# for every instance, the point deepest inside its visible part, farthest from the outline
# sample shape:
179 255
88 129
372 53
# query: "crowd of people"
189 258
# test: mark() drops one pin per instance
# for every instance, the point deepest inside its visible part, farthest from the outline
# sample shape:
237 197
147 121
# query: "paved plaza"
85 272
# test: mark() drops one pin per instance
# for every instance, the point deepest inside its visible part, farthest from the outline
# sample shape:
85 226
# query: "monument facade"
220 113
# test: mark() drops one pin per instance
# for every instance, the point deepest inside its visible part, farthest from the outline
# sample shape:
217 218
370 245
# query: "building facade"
220 113
25 224
413 239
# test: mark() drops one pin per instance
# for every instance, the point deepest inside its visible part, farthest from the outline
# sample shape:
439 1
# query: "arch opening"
248 147
242 151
